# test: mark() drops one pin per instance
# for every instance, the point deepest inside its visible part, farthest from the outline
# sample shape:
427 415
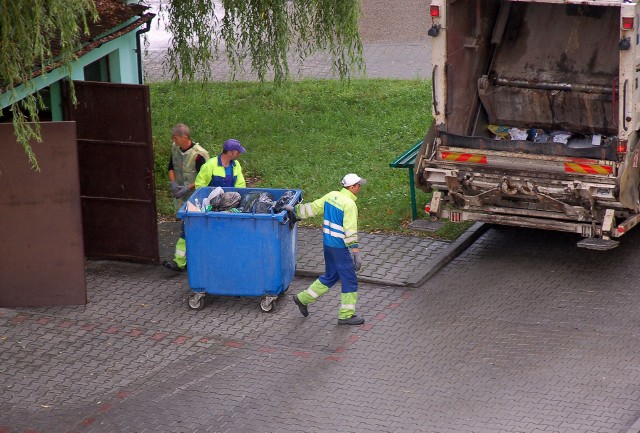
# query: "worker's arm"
350 225
240 182
204 175
308 210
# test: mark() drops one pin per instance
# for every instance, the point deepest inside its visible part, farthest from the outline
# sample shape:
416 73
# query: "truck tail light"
622 146
627 23
434 11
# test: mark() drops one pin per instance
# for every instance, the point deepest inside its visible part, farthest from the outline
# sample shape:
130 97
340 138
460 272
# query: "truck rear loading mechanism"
536 116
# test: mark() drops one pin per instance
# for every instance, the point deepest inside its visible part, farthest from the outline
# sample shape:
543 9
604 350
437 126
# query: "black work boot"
301 306
170 264
353 320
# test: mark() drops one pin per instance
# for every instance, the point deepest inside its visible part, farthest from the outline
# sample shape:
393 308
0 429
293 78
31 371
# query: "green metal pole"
414 211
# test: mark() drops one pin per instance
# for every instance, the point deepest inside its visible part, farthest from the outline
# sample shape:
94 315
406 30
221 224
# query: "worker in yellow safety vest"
341 249
224 170
187 157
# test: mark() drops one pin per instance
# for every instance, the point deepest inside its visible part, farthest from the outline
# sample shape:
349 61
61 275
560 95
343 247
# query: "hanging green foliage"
266 33
27 38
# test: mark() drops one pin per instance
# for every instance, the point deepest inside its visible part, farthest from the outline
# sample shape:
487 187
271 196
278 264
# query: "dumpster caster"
196 301
268 303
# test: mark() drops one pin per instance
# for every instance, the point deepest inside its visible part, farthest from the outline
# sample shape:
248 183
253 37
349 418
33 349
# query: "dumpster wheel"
196 301
267 303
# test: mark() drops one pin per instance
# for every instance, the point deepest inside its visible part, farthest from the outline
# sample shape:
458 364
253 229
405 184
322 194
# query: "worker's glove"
291 214
174 187
182 190
357 261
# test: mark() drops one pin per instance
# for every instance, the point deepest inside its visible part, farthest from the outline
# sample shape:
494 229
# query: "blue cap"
233 144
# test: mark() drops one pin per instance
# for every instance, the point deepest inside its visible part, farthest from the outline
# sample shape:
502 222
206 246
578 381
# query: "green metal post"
414 210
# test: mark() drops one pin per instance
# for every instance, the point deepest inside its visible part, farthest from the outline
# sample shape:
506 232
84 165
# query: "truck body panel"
535 107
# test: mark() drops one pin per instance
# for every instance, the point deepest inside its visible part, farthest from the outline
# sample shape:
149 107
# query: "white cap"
351 179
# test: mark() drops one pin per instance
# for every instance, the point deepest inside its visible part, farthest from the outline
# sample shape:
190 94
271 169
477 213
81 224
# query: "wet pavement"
396 260
395 45
520 332
382 60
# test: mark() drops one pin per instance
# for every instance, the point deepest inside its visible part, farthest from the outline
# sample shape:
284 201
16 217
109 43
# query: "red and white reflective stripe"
576 167
464 157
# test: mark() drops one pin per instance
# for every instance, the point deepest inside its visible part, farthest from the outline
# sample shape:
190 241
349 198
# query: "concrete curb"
425 272
452 251
635 427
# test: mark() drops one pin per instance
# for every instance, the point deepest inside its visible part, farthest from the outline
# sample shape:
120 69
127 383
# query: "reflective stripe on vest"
336 217
340 225
305 211
332 229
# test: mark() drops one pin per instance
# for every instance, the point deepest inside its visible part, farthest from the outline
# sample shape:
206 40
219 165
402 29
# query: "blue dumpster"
239 254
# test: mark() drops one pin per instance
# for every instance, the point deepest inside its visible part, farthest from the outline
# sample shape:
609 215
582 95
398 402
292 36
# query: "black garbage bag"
225 201
257 202
247 201
265 203
285 199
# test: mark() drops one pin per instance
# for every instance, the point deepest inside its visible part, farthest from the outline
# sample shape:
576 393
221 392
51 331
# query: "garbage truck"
536 116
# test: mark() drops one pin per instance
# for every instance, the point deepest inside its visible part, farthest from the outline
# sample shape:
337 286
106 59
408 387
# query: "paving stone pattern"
394 41
521 333
382 60
387 259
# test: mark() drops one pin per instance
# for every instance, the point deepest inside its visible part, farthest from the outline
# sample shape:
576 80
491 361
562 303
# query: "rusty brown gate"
115 157
40 220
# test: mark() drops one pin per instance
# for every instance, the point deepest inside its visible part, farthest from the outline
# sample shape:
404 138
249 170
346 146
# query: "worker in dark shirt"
184 164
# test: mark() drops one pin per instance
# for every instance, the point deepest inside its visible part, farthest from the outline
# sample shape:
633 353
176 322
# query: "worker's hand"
288 208
357 261
174 187
182 190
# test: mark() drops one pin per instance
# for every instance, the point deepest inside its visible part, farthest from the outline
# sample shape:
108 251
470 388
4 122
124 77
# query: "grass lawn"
306 135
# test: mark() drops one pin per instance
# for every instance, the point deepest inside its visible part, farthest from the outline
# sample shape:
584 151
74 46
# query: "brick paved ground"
395 45
381 254
521 333
382 60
